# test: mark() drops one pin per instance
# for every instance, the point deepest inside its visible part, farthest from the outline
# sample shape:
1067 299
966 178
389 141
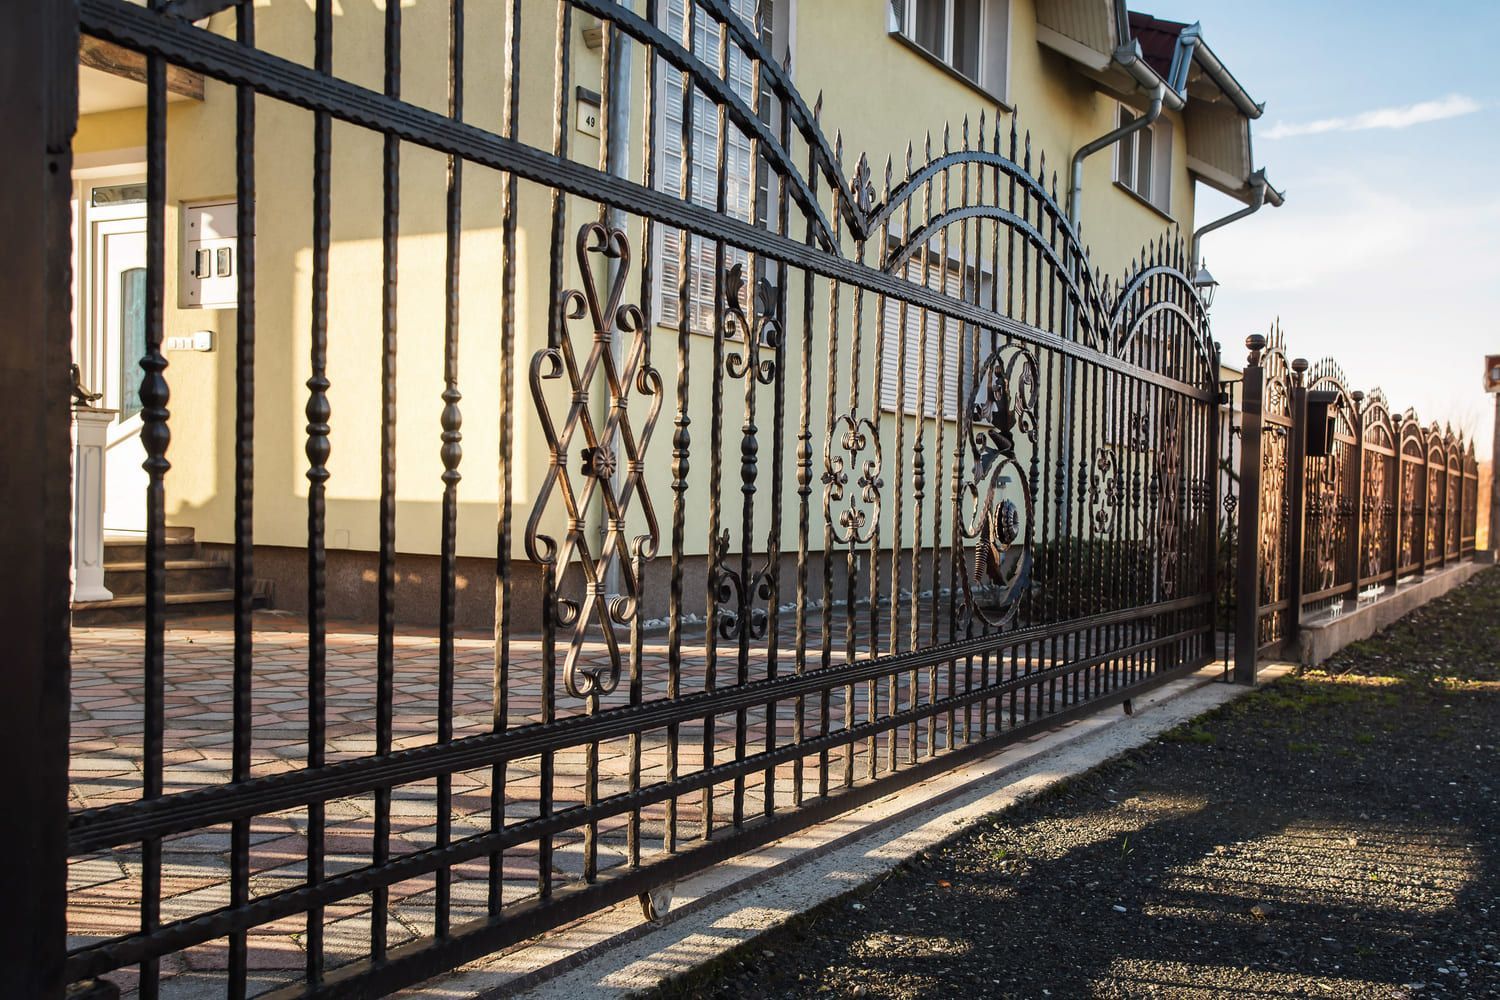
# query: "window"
970 37
1143 160
740 202
950 345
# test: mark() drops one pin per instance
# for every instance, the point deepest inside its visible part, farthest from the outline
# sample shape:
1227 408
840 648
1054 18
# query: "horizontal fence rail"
1343 498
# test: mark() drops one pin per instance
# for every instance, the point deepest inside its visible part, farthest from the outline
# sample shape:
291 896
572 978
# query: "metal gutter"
1260 193
1075 187
1191 44
1128 57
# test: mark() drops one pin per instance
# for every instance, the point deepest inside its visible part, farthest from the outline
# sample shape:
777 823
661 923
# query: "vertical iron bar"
804 492
778 466
244 487
451 453
385 647
552 576
500 680
156 436
681 437
317 450
716 444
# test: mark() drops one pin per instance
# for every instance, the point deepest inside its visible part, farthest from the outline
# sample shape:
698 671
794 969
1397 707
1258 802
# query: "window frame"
1127 160
945 335
761 200
993 56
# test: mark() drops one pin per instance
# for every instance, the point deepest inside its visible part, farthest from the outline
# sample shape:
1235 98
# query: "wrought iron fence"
975 495
1353 499
981 489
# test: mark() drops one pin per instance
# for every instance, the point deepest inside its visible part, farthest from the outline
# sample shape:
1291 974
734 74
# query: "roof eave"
1191 45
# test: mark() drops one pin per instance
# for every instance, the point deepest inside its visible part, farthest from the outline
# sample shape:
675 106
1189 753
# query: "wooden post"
38 112
1247 555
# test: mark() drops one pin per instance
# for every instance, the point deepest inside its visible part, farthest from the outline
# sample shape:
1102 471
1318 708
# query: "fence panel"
1352 500
975 491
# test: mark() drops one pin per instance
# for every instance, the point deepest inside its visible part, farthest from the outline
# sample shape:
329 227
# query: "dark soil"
1334 834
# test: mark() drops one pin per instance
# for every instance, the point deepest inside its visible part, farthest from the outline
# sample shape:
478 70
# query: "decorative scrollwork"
762 334
1170 514
1377 510
607 447
856 522
738 616
995 503
1106 490
735 591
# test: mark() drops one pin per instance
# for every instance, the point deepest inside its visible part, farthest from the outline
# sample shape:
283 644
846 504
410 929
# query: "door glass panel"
119 194
132 338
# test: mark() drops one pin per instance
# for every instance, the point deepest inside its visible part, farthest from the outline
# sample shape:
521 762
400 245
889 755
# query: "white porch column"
90 430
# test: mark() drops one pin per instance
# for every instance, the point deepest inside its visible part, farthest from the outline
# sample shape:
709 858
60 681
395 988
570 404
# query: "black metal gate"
975 495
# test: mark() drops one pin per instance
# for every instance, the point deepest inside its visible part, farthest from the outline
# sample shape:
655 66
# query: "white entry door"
113 337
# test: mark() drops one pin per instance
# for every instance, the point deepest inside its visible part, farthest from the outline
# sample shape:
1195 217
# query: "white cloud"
1452 106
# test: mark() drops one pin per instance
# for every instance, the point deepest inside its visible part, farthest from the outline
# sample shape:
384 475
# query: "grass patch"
1188 733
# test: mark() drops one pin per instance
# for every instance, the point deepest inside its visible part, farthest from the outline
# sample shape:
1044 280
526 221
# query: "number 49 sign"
1492 373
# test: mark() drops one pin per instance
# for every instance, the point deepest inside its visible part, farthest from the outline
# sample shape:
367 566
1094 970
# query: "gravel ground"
1333 834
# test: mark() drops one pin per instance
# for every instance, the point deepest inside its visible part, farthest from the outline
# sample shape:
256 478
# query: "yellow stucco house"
1121 113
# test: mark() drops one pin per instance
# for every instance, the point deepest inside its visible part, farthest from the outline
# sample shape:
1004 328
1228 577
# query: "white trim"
1072 48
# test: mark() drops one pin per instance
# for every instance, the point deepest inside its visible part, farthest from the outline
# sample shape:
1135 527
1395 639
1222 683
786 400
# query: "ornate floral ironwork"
995 502
600 488
735 591
856 436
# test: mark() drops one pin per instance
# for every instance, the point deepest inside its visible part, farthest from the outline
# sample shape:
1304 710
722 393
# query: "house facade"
899 80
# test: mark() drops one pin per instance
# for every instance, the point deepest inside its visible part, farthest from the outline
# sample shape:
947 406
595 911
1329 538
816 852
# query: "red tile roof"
1158 40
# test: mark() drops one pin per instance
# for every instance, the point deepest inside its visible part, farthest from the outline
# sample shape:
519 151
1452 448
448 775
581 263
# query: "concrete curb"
616 952
1321 638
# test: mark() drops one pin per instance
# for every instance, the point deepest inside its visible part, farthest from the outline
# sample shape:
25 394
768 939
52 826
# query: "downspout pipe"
1258 188
1075 188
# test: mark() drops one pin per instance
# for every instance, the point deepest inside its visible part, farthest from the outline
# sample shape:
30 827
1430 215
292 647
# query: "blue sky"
1382 124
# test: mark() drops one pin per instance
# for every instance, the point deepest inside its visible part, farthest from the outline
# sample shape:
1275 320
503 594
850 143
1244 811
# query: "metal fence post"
1212 506
38 110
1296 484
1357 536
1247 558
1493 537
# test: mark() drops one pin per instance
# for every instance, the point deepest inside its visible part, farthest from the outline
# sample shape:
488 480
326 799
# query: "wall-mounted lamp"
1206 286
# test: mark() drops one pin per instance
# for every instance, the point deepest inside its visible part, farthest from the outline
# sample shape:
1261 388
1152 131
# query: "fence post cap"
1256 341
1358 395
1299 364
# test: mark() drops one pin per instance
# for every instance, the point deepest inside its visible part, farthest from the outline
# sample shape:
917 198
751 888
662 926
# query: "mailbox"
206 278
1322 409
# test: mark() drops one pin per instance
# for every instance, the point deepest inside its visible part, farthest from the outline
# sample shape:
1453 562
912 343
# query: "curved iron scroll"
605 448
736 591
996 503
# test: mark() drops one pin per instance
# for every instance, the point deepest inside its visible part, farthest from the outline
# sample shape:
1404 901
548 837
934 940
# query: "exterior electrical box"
207 276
